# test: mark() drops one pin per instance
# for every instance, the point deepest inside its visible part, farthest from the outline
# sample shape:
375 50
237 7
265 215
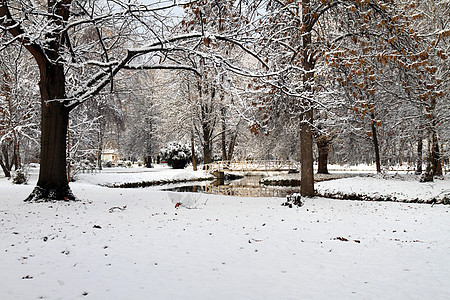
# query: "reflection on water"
248 186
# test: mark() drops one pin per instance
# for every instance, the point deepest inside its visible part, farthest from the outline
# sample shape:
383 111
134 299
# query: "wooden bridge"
249 191
251 166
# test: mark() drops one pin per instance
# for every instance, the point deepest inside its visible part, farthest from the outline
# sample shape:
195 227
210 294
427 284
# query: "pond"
248 186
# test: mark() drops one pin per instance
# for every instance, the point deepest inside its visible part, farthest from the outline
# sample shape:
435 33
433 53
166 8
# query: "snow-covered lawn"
117 176
134 244
402 188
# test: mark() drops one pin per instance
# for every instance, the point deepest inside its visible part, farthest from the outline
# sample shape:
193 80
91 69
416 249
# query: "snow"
135 244
395 187
117 176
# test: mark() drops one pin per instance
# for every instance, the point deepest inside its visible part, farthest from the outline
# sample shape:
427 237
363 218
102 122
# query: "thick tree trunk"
323 146
375 144
431 157
5 169
231 145
207 153
433 160
52 183
148 161
4 162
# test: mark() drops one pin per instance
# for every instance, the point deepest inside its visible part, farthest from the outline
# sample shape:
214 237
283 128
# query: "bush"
176 155
20 177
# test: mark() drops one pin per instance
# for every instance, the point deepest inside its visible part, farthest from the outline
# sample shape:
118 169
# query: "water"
248 186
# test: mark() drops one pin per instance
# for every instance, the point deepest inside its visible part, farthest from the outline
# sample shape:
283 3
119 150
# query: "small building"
111 155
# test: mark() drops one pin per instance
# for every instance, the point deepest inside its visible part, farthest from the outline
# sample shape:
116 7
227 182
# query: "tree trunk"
437 166
194 159
431 155
207 153
4 168
99 151
69 179
419 155
375 143
231 145
323 146
224 142
306 138
4 162
17 163
148 161
52 183
306 158
433 147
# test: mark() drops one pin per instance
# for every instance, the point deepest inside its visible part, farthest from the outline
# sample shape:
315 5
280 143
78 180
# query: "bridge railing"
252 165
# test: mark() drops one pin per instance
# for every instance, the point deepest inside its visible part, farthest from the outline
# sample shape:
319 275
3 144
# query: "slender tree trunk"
306 137
231 145
224 142
99 158
194 159
419 155
100 150
68 156
323 146
375 144
17 162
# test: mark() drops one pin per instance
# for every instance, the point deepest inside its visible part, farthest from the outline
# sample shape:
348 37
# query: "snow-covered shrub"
293 199
176 155
20 176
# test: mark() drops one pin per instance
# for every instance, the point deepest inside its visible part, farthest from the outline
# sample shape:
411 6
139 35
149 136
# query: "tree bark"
5 169
419 155
207 152
148 161
431 157
375 143
224 127
4 162
437 166
323 146
306 138
433 147
306 158
52 183
194 159
232 144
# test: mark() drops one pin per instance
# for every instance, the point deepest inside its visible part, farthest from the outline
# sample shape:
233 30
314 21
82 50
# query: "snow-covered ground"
142 244
117 176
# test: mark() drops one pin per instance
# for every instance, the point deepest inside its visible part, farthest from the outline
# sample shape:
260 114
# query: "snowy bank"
400 188
142 177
